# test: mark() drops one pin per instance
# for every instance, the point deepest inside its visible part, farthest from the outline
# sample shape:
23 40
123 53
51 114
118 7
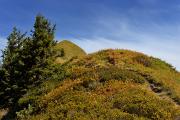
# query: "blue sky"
148 26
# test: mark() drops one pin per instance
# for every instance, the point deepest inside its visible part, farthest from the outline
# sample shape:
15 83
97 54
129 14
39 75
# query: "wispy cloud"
2 44
152 49
154 39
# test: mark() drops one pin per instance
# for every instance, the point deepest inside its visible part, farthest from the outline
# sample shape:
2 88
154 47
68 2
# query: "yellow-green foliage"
109 84
70 50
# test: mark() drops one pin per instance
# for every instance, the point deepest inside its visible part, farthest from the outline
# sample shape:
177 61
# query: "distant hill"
70 50
109 84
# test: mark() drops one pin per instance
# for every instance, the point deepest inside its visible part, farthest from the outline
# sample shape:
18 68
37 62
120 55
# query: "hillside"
44 80
109 84
70 50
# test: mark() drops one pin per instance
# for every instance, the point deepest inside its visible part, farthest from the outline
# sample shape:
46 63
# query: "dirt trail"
158 90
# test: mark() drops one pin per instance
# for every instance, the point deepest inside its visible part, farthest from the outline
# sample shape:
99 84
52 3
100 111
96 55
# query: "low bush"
141 103
144 60
160 64
115 73
25 113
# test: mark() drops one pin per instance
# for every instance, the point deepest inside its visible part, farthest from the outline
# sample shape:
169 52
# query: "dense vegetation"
109 84
25 61
43 80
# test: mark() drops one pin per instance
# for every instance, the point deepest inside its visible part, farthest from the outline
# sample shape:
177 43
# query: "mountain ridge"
108 84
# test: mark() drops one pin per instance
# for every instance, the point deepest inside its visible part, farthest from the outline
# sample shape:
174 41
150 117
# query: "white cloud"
152 49
161 41
2 44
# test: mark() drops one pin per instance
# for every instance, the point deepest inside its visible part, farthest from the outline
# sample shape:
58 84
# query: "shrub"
25 113
160 64
142 103
116 73
144 60
90 84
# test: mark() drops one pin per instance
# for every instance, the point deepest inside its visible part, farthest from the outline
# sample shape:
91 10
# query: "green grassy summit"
70 50
109 84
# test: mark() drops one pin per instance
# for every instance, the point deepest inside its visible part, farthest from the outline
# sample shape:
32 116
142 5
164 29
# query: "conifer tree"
41 51
26 59
43 40
12 65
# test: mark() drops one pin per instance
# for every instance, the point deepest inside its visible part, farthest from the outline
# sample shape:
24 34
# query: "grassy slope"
109 84
70 50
